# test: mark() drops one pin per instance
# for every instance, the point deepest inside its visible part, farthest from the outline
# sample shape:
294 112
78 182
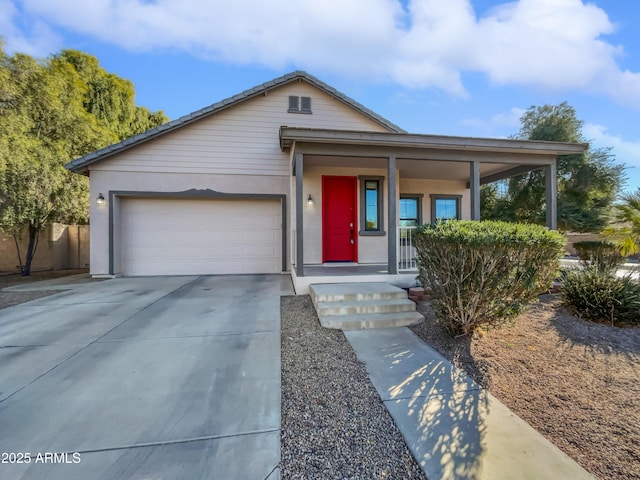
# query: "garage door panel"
177 237
258 251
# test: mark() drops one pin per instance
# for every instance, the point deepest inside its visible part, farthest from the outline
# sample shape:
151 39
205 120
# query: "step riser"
360 306
391 321
358 297
365 309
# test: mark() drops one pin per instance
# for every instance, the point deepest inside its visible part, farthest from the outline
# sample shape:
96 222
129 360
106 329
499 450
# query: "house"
294 177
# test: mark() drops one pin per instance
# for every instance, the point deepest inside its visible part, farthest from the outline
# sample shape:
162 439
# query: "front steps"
357 306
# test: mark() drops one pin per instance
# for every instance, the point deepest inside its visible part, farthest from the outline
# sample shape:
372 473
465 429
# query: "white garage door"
199 237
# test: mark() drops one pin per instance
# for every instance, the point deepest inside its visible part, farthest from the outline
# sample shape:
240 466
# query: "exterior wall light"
310 201
100 200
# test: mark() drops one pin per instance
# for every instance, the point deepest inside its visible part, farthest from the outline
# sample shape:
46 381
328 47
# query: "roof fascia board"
289 134
423 154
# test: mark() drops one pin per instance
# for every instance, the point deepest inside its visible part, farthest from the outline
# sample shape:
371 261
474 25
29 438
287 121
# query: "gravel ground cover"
576 382
334 425
9 299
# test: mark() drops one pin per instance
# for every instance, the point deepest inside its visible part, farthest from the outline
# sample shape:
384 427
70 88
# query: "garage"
199 236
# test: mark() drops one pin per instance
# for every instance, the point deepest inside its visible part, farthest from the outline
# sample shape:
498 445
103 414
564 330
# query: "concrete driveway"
144 378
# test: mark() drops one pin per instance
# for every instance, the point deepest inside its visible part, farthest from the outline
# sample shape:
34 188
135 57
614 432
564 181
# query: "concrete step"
394 305
371 320
356 306
349 292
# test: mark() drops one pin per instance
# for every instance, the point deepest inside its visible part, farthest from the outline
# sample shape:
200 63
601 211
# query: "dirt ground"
576 382
8 299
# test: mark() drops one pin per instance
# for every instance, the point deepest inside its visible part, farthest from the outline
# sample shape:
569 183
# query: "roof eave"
288 135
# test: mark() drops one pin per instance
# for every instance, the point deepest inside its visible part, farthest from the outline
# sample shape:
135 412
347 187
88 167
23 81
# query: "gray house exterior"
289 177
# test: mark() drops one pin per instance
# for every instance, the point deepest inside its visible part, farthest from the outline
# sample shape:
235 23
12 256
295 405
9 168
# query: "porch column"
474 185
551 196
299 171
393 217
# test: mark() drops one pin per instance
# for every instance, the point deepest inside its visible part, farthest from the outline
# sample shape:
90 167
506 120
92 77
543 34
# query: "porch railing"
406 249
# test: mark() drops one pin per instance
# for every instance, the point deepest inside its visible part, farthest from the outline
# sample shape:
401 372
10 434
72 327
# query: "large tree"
52 111
587 183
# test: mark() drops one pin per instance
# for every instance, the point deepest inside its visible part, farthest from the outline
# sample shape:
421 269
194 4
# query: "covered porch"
358 195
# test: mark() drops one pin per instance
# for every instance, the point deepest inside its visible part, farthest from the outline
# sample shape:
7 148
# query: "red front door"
339 226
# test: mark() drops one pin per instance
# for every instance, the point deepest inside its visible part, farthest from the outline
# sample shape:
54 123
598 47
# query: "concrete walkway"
454 429
145 378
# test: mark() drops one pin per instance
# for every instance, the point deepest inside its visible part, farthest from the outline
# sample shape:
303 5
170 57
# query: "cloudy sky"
460 67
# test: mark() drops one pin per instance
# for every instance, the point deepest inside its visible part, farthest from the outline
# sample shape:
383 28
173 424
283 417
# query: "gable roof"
80 164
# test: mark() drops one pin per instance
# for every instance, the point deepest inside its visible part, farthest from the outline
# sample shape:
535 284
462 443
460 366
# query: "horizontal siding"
242 139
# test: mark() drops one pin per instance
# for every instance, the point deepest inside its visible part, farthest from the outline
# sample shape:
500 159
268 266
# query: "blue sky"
460 67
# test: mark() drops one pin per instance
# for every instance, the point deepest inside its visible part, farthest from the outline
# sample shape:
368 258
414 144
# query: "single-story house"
291 176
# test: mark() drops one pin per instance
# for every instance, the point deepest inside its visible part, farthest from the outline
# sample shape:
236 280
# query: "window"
410 210
445 207
371 192
299 104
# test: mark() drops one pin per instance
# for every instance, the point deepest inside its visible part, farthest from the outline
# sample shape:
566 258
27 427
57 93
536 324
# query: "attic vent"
305 104
299 104
293 104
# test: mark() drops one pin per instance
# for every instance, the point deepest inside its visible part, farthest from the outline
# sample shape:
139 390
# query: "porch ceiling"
413 168
424 156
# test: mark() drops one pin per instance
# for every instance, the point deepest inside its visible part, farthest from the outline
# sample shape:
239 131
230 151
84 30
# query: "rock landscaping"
334 425
574 381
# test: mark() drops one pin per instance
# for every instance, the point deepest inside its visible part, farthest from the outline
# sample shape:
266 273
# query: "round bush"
485 272
603 255
598 296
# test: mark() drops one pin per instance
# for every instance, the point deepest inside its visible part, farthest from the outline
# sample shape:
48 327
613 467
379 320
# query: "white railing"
406 249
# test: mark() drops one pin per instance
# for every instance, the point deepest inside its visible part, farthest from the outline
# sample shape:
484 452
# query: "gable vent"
299 104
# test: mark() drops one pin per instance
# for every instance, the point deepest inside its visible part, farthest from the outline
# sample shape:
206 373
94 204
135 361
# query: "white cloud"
626 151
553 44
26 35
549 43
508 121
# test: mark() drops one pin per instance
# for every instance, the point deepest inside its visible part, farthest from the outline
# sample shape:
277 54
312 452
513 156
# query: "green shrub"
485 272
603 255
600 296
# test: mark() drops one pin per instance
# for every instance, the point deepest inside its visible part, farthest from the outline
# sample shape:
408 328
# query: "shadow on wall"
59 247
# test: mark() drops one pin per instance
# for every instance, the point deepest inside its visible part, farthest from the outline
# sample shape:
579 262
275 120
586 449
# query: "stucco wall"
371 249
444 187
59 247
103 182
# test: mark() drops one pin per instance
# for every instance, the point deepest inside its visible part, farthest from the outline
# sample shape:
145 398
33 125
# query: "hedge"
485 273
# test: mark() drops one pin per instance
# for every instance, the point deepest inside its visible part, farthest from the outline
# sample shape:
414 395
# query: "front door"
339 226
